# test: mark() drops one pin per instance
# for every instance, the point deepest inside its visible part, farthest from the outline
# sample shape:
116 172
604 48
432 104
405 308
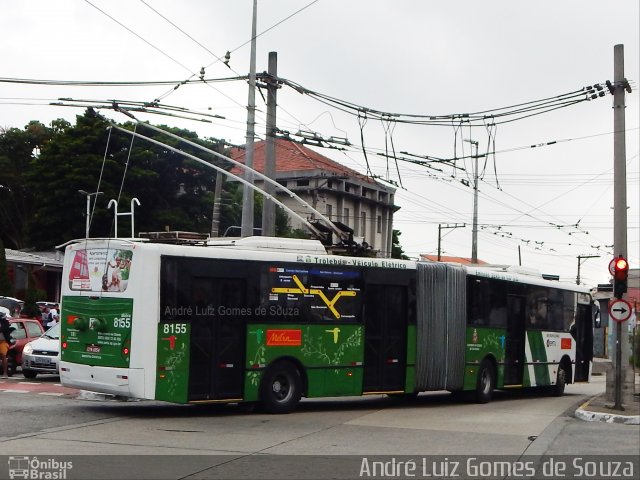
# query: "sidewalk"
599 409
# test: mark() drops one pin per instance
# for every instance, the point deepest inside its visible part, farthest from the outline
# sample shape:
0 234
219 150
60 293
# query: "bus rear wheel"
486 382
281 388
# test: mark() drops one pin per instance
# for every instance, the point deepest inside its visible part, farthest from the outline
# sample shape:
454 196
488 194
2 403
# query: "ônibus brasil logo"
35 468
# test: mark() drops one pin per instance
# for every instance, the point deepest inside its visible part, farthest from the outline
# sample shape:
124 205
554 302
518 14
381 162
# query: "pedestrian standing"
5 343
44 317
53 316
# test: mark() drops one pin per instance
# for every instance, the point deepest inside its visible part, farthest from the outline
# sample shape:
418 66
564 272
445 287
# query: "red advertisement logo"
284 338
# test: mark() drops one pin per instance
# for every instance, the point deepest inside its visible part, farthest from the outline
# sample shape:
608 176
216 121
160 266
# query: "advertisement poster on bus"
321 294
100 270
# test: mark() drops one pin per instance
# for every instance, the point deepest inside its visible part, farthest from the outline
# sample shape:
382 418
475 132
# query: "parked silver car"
43 354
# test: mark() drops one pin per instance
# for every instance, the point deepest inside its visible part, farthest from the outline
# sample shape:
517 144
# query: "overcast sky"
546 205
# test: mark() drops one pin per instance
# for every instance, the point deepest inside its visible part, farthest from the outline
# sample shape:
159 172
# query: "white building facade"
338 192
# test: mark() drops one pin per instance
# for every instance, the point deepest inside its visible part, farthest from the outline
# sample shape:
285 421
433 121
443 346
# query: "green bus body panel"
538 358
483 342
96 330
331 355
172 372
480 343
410 376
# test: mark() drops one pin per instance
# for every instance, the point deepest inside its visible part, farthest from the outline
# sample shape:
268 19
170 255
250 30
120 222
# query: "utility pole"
440 227
620 340
474 232
580 258
217 198
247 193
268 207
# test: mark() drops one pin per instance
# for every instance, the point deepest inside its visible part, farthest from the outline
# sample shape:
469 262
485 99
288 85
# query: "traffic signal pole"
621 340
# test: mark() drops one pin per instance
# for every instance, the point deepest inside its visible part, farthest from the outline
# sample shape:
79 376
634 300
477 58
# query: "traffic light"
620 275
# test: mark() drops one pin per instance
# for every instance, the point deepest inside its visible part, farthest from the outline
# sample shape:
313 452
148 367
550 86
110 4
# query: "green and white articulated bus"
272 320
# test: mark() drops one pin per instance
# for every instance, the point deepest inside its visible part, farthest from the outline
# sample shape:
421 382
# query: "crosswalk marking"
17 385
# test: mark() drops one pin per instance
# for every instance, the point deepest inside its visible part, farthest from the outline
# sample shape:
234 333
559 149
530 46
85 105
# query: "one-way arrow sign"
620 310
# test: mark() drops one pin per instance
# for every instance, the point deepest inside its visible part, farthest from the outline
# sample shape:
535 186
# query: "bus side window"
498 313
475 305
537 311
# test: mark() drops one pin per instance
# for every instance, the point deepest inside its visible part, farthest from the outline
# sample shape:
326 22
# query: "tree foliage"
43 169
396 248
5 284
18 150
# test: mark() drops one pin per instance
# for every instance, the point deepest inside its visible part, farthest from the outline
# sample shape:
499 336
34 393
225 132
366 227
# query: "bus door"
385 338
514 348
584 343
217 339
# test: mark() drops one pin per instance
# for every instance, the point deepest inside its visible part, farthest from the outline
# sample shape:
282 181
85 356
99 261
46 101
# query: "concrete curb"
587 415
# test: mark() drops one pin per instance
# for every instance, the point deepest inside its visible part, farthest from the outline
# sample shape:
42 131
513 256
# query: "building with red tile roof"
444 258
337 192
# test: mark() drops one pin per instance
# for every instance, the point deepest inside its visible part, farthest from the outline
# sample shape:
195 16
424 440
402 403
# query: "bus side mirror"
597 321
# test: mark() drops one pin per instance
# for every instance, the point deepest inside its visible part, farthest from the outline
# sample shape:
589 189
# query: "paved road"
48 385
48 420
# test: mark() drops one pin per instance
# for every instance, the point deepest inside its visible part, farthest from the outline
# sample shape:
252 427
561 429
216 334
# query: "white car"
43 354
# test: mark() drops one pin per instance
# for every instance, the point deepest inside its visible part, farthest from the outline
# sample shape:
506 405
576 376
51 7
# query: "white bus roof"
315 252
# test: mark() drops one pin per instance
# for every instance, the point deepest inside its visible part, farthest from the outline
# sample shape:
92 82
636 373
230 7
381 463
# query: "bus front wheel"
281 388
486 382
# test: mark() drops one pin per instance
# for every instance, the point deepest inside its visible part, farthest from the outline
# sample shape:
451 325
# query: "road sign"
612 267
620 310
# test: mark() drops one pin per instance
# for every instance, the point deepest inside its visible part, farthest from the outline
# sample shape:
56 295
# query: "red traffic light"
620 268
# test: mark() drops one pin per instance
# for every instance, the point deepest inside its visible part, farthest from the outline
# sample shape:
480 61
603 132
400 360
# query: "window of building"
379 223
346 216
329 211
363 223
302 183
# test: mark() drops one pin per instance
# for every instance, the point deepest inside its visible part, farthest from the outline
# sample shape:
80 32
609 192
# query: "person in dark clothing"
5 342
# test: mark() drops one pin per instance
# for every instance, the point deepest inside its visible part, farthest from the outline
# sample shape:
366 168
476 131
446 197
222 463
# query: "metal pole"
268 207
247 193
217 198
134 201
88 219
440 227
115 214
86 235
618 385
580 258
